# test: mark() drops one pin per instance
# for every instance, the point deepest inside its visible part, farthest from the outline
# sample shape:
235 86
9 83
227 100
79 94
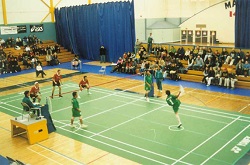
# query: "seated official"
26 100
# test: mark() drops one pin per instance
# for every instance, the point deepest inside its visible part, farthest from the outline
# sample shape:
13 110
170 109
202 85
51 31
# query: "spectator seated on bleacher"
48 59
246 68
172 52
216 79
19 41
26 62
75 62
35 49
231 58
13 65
118 66
33 62
223 77
210 76
173 74
209 54
232 79
9 42
48 50
25 41
142 68
128 66
239 68
2 43
17 47
133 66
55 60
210 62
205 74
2 66
180 53
187 54
198 64
190 62
39 70
57 48
27 48
180 67
145 56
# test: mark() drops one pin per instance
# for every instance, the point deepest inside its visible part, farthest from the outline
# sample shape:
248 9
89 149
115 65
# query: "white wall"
33 11
216 18
166 35
25 11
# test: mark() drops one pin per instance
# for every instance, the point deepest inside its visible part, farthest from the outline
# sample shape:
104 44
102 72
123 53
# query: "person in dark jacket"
102 54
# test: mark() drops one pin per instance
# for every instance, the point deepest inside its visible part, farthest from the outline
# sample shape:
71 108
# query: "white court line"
18 96
160 103
210 112
225 145
243 108
110 109
44 156
121 149
205 141
127 121
183 114
55 152
114 93
215 113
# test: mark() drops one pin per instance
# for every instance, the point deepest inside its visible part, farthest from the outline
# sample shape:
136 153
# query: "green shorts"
147 88
76 113
176 107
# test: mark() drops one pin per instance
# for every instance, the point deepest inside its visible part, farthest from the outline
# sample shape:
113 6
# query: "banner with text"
36 28
21 29
8 30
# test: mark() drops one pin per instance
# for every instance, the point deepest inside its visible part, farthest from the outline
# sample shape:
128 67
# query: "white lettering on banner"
36 28
243 143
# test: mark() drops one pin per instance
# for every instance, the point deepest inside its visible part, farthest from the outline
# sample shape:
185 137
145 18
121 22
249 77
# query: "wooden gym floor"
53 150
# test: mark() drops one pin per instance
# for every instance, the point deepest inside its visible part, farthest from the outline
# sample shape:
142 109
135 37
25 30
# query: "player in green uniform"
148 83
173 101
76 112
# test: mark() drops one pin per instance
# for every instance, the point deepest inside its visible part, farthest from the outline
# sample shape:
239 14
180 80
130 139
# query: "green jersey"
148 82
174 102
75 107
158 74
150 40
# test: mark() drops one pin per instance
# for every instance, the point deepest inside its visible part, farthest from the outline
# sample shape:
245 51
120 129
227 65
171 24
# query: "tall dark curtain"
242 24
84 29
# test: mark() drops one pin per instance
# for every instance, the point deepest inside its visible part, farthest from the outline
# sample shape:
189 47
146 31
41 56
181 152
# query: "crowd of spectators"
204 59
32 48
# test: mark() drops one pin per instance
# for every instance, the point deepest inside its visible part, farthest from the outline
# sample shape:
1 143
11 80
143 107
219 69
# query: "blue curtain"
84 29
242 24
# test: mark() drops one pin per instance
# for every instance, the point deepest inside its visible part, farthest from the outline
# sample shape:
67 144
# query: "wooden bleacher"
196 76
63 56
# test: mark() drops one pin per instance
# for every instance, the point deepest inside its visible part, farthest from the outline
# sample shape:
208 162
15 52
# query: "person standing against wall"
137 46
150 42
102 54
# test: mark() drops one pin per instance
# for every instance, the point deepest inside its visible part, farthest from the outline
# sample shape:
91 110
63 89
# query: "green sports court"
123 123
